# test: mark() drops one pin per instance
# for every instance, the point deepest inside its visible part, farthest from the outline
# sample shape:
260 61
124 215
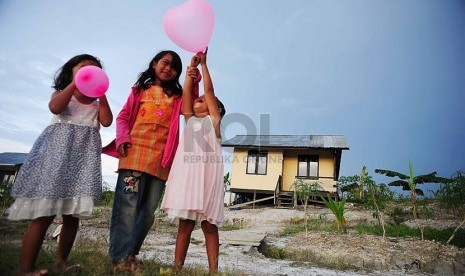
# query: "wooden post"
254 198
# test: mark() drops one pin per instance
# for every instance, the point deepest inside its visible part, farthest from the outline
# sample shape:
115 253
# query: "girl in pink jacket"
147 135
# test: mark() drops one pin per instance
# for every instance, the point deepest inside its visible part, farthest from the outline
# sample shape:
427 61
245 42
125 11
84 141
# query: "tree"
363 178
305 190
410 182
348 184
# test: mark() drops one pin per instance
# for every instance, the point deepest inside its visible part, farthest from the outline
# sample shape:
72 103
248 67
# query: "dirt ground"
355 254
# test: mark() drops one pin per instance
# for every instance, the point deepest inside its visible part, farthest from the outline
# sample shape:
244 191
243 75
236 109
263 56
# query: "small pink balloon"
190 25
92 81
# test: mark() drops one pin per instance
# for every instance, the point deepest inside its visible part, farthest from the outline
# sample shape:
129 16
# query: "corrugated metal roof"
288 141
12 158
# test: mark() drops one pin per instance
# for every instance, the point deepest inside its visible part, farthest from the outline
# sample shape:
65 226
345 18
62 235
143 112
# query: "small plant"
227 181
305 191
397 215
378 213
338 209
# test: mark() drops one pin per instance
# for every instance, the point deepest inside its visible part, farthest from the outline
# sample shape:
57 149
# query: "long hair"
64 75
221 107
147 78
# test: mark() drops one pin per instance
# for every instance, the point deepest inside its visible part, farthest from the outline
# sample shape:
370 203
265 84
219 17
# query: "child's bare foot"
136 263
39 272
67 268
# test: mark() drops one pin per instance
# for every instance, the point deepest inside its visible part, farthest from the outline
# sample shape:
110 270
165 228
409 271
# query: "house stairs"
285 199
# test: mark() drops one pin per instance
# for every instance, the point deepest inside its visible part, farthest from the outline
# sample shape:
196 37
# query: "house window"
256 162
308 166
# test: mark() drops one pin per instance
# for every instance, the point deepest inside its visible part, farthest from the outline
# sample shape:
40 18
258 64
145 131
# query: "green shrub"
450 195
397 215
108 195
5 195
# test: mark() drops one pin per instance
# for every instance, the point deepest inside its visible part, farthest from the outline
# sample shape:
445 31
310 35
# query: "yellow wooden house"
264 166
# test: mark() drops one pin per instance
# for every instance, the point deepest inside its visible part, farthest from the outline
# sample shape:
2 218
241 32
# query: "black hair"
147 78
64 75
221 107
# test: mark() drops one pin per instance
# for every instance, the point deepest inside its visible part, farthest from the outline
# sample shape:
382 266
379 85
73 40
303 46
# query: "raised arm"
188 88
209 92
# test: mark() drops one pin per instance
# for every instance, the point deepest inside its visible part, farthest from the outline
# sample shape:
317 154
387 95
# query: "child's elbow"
107 122
54 109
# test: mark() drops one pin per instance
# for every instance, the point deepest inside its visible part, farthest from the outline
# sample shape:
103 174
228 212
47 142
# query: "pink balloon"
190 25
92 81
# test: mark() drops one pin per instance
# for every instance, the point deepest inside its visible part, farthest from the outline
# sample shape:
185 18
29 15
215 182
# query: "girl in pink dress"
194 189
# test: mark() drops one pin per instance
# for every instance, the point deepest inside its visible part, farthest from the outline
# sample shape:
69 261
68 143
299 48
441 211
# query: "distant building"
10 162
264 166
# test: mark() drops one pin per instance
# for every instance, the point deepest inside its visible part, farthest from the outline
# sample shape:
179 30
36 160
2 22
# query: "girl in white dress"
61 175
194 189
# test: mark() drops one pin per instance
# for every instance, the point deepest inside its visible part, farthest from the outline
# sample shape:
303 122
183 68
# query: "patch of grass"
297 225
11 230
10 256
236 224
297 220
293 229
402 230
272 252
302 257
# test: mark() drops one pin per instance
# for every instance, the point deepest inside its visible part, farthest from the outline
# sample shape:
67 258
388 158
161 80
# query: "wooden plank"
235 237
249 202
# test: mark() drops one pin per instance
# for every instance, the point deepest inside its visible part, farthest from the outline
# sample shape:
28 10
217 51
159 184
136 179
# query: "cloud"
13 146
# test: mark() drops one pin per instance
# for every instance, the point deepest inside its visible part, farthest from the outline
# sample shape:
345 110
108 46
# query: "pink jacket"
127 117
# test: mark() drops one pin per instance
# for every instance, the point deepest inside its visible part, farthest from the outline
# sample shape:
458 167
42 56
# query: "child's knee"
209 228
186 225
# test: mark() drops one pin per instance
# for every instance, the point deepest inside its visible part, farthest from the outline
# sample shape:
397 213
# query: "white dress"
195 189
62 173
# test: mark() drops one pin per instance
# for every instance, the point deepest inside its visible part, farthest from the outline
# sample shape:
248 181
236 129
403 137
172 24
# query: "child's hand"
195 61
192 72
123 149
203 56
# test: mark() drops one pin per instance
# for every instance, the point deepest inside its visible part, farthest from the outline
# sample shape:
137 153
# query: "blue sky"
389 75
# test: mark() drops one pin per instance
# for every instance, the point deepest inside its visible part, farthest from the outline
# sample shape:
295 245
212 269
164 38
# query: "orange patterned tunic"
149 134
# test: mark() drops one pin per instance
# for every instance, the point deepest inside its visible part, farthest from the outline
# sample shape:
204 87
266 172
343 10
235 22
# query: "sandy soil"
368 255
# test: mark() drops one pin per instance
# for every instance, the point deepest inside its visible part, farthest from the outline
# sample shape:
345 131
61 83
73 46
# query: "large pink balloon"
190 25
92 81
